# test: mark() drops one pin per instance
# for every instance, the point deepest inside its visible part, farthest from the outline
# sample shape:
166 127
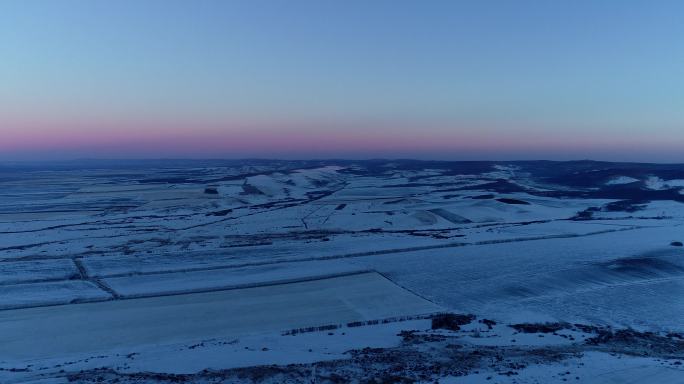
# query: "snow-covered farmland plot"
138 271
180 318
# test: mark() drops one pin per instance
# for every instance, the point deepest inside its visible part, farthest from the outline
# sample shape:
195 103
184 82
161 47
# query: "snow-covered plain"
96 257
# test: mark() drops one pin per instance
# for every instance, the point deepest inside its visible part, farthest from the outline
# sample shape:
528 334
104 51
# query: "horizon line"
331 159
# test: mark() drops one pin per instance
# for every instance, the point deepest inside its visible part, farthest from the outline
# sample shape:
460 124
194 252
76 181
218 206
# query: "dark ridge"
481 197
506 200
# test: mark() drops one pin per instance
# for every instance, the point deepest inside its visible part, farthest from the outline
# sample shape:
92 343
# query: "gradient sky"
476 79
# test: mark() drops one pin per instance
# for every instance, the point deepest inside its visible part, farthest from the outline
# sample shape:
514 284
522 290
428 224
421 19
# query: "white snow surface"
619 180
92 261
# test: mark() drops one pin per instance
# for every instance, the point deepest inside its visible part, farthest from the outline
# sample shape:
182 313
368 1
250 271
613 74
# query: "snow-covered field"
148 269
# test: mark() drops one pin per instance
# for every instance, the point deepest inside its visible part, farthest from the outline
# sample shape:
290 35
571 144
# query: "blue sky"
426 79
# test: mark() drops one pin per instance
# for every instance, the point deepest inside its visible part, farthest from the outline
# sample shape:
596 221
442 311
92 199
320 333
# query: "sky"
426 79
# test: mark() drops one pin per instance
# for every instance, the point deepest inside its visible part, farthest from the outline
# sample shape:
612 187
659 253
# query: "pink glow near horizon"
185 139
